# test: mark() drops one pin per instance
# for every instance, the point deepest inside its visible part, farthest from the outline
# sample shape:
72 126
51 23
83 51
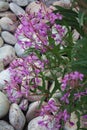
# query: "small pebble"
5 126
1 42
4 76
4 6
4 105
21 2
7 24
8 38
17 10
7 54
16 117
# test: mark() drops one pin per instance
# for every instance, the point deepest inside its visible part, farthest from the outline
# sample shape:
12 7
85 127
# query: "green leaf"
41 101
71 21
66 12
79 56
81 18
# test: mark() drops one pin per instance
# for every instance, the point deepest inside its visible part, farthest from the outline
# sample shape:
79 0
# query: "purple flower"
24 76
65 97
72 80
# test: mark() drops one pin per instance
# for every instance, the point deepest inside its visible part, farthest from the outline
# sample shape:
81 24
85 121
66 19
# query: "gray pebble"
5 126
8 38
1 42
4 6
7 54
17 10
4 105
7 24
21 2
16 117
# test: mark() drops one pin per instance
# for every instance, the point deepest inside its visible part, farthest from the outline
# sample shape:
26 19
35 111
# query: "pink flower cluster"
36 29
24 76
54 115
72 80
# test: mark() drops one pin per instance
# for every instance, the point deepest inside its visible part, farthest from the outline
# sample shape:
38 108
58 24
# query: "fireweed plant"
51 55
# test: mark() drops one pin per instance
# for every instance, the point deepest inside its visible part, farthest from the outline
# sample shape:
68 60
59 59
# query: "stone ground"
11 116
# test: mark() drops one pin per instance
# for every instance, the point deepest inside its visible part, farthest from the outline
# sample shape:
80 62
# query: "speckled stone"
21 2
4 105
4 76
4 6
17 10
9 38
16 117
33 124
9 14
1 42
7 24
7 54
5 126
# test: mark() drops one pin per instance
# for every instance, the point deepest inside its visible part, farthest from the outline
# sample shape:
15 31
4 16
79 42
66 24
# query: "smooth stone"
24 104
33 7
32 110
17 10
9 14
19 50
4 6
7 54
4 105
5 126
16 117
33 124
7 24
1 42
21 2
1 66
9 38
49 2
4 76
63 3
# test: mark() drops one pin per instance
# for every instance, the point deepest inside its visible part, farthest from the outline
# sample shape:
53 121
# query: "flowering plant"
52 55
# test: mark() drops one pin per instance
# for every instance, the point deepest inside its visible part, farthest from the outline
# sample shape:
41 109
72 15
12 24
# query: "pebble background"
11 116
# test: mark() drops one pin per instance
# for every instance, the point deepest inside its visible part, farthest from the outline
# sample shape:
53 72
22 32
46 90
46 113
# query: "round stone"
4 105
17 10
1 42
8 37
5 126
16 117
31 113
63 3
1 66
19 50
33 7
7 54
7 24
4 76
33 124
4 6
21 2
9 14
